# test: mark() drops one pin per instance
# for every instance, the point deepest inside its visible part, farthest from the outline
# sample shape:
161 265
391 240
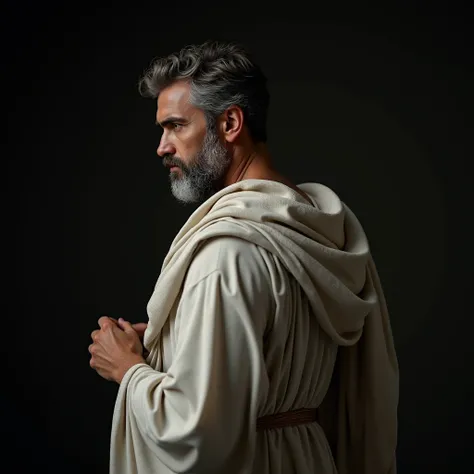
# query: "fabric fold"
324 248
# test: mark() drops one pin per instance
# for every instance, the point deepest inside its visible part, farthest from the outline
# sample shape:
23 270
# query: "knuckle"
105 320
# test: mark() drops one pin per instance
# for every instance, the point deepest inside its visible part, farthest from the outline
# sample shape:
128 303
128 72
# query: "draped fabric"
264 304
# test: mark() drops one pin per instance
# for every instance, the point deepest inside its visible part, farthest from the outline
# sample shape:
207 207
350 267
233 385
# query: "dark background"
375 103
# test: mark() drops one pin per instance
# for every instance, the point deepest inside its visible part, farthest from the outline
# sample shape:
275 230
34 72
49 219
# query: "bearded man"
268 346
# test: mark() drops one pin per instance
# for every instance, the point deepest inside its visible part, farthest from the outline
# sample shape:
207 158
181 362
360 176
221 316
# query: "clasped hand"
116 347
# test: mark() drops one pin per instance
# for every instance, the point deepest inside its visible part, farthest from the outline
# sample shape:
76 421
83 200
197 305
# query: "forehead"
174 101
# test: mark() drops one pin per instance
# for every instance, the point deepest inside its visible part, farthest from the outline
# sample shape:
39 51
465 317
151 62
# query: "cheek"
188 147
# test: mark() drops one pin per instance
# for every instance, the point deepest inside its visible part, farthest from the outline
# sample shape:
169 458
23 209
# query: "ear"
232 122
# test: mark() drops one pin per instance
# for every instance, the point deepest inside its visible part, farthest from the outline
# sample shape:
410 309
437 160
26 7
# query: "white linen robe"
256 297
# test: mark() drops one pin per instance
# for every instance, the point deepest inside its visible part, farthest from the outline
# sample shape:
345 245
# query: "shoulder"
237 261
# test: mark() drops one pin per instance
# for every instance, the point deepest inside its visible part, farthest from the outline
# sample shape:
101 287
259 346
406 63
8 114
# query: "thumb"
125 325
140 327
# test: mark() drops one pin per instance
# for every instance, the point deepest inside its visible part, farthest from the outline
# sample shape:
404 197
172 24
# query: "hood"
323 245
325 248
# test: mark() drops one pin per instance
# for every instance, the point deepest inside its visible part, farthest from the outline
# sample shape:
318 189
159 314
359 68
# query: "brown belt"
287 418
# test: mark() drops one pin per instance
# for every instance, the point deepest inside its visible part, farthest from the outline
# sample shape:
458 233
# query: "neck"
254 163
250 163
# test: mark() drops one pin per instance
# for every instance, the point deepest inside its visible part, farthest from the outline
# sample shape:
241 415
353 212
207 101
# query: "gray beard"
204 176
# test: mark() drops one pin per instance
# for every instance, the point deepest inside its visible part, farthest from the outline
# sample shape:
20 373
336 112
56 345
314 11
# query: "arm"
200 415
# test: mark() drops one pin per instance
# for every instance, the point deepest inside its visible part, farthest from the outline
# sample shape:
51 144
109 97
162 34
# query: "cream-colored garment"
259 293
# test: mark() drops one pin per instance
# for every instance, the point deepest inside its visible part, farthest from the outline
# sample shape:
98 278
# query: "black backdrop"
373 103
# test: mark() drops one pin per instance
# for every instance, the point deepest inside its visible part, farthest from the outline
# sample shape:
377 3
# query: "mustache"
169 160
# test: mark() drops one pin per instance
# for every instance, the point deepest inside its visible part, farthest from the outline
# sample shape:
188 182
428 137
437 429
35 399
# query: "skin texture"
117 345
183 138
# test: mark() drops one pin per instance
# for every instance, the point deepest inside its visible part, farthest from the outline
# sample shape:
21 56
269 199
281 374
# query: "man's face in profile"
190 149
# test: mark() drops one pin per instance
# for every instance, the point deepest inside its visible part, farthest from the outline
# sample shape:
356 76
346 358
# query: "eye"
177 126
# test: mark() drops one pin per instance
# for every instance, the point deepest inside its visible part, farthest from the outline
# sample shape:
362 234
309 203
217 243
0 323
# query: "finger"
95 335
105 322
97 368
120 322
140 327
125 325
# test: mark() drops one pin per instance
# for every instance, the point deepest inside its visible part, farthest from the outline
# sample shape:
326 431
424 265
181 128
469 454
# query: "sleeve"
200 416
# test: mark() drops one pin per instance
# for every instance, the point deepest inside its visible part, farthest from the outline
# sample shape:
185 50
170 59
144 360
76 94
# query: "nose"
165 147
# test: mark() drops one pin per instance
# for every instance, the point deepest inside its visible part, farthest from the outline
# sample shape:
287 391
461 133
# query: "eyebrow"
168 120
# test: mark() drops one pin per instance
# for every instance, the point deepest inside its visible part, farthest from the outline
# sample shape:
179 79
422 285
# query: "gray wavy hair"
221 74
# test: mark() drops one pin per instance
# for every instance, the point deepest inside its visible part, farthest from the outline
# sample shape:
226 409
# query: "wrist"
131 361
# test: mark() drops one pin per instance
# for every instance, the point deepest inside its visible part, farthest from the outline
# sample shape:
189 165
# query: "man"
268 344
